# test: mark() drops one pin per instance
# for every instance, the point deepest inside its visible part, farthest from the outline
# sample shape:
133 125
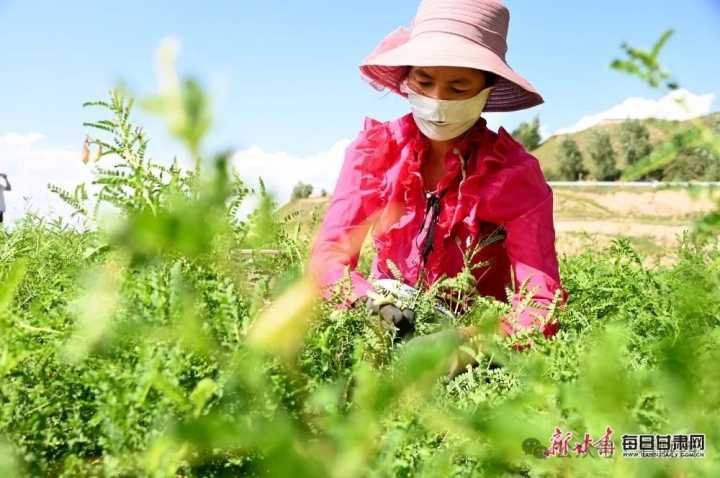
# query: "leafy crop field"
167 343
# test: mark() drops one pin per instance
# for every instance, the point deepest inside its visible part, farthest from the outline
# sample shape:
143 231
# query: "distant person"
441 161
3 188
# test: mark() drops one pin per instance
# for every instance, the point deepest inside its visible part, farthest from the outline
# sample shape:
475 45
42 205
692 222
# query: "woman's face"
446 82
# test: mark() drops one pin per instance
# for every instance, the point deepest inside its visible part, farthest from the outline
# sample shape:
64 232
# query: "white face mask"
442 120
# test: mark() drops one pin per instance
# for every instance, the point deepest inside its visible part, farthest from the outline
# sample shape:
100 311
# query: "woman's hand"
403 320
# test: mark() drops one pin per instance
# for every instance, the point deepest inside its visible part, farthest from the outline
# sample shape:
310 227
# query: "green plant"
645 64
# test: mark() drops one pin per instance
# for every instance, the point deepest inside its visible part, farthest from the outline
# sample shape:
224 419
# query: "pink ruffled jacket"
492 181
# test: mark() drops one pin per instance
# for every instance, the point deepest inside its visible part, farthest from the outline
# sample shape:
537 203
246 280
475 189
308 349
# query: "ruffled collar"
464 142
485 154
465 145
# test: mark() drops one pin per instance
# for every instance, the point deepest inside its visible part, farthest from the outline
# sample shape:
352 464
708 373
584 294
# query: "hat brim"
388 68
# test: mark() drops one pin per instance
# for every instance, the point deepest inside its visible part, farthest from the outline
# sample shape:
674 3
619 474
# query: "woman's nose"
438 93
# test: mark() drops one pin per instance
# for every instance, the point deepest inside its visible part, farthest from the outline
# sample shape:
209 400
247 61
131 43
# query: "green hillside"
660 131
308 212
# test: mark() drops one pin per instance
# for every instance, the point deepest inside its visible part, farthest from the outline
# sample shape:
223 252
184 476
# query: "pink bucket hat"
468 33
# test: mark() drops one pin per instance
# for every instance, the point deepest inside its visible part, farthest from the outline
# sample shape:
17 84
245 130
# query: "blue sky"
284 73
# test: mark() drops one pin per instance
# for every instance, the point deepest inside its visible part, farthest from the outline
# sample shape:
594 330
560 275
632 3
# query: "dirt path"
654 220
657 242
659 231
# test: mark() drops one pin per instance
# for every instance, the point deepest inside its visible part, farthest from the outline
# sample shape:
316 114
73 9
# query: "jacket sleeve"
530 244
527 203
352 211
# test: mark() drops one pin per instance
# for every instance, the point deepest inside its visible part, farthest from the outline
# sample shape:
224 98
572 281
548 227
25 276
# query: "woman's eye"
459 92
424 84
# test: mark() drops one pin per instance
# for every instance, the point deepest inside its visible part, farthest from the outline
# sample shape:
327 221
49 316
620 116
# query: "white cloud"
281 171
669 107
15 140
30 166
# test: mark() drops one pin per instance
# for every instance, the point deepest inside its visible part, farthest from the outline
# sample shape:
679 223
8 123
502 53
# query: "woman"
436 181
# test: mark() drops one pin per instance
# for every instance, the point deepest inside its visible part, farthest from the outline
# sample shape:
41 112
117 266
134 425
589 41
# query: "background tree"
603 155
323 193
528 133
572 166
693 164
301 191
635 141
